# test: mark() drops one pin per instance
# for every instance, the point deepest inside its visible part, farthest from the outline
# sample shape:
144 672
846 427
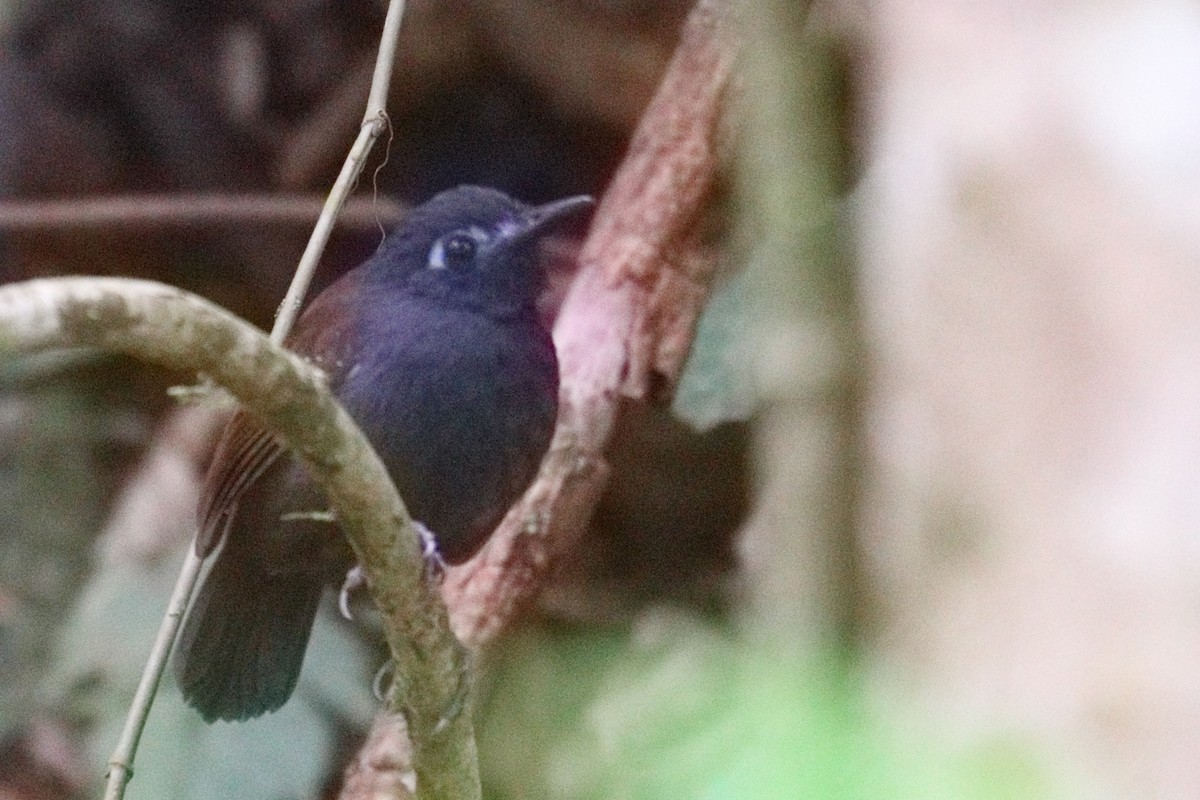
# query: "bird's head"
477 247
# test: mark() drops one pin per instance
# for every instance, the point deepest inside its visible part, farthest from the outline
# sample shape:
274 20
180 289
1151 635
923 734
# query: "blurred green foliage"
290 753
673 705
716 385
61 445
678 706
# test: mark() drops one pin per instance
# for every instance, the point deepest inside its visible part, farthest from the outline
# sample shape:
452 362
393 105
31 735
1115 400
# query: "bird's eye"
459 248
454 251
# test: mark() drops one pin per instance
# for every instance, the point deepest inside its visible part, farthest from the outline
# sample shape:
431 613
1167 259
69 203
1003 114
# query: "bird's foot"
356 579
382 674
435 565
459 701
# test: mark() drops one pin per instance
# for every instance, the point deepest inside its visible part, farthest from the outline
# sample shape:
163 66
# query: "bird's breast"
460 407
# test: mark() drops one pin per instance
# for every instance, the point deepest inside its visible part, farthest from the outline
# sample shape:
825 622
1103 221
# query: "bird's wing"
245 452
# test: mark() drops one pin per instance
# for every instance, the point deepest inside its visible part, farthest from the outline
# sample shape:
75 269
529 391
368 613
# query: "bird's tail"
244 640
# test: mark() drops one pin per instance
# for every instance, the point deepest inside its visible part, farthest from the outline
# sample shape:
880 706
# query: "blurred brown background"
1031 277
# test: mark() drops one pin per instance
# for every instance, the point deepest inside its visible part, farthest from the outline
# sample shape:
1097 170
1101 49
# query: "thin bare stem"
120 763
289 309
381 80
374 123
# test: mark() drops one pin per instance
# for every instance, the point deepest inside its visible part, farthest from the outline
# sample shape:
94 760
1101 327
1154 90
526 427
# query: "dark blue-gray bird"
435 347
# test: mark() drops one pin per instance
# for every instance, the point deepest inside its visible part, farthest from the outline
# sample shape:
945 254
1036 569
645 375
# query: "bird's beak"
551 217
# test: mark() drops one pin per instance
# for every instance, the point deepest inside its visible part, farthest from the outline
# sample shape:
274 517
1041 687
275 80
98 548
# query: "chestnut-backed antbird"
436 349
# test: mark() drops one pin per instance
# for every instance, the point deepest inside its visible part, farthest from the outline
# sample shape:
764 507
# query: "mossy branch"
180 331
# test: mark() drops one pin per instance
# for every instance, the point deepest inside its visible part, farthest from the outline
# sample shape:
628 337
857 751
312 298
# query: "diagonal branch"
626 325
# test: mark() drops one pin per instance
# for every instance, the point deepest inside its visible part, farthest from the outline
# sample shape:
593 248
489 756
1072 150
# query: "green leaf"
716 385
52 483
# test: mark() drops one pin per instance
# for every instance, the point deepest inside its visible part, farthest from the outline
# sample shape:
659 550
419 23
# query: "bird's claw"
435 565
384 672
356 579
458 702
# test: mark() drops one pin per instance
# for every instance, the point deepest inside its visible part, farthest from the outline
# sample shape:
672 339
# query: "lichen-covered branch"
167 326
